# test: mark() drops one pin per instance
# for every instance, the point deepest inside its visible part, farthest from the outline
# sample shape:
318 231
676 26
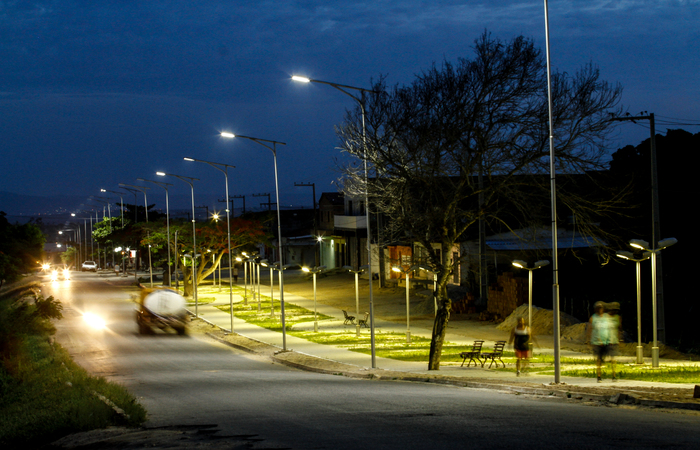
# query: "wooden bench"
475 352
363 322
495 355
348 319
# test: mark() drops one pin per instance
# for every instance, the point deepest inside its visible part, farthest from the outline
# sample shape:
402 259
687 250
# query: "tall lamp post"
103 200
654 250
314 271
345 89
223 168
145 203
357 292
167 217
189 180
399 269
273 148
121 198
630 256
523 265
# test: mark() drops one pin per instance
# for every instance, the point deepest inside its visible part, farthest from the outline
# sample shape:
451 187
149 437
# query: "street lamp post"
654 250
630 256
103 200
314 271
167 218
345 89
408 303
121 198
273 148
357 292
145 203
264 263
223 168
189 180
523 265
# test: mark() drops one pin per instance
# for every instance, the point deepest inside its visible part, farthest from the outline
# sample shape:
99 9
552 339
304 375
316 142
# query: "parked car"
89 265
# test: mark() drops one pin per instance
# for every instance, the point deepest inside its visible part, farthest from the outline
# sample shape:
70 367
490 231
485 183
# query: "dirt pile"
572 328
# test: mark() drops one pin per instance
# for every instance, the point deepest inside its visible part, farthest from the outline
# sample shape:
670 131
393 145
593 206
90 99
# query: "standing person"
520 337
598 332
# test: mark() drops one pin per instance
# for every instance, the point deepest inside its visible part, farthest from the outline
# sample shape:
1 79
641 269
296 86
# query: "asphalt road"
195 381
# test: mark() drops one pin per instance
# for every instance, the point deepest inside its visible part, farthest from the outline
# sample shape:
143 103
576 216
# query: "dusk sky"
94 93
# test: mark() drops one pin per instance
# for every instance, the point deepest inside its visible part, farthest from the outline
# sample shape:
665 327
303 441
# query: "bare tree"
469 140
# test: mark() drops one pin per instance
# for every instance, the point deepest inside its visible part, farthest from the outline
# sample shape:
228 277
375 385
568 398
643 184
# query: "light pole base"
640 354
357 326
408 337
655 357
315 327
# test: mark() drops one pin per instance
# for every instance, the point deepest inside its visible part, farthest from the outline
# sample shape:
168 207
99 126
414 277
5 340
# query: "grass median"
393 345
44 395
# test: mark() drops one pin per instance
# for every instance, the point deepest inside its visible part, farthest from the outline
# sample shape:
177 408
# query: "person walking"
520 337
599 327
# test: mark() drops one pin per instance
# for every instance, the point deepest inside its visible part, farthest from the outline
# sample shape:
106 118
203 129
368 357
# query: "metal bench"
348 319
363 322
475 352
495 355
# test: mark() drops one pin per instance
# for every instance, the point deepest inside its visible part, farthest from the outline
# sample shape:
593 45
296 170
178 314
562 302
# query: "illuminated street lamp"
223 168
314 271
523 265
145 202
345 89
167 216
189 180
120 194
264 263
644 245
273 148
630 256
357 292
408 304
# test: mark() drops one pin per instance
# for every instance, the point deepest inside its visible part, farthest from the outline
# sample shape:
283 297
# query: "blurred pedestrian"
615 333
599 327
521 337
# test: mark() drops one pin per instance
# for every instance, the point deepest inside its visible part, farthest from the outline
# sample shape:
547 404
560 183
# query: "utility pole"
231 198
269 204
655 220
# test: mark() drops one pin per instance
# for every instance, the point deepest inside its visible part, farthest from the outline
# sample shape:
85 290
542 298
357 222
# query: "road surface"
193 380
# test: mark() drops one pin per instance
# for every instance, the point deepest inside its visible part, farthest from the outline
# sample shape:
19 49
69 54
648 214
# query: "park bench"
495 355
363 322
348 319
475 352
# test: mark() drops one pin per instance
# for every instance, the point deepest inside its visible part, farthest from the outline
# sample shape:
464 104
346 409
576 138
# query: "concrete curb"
566 392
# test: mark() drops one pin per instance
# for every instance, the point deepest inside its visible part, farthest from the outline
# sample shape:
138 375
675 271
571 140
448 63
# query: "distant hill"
33 205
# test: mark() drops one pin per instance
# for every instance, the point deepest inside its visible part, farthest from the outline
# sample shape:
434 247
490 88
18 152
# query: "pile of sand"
542 323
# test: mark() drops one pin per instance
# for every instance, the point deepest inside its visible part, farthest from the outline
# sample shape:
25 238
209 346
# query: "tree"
21 248
212 241
429 143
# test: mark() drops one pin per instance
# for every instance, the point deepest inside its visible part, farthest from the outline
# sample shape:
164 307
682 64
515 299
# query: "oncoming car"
89 265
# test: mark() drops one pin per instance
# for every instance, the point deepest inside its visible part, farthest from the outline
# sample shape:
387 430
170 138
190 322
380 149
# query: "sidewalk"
326 358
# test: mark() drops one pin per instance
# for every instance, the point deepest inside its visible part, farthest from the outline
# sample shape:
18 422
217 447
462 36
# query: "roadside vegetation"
393 345
44 395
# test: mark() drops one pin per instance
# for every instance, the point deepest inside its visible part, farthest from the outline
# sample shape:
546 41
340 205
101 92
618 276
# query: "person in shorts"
599 327
520 337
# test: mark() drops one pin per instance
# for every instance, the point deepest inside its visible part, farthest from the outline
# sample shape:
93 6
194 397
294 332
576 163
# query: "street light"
314 271
408 304
345 89
145 202
357 292
273 148
218 166
654 250
167 216
646 255
264 263
120 194
189 181
523 265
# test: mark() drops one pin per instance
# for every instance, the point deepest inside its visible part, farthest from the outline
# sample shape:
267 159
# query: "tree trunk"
439 330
